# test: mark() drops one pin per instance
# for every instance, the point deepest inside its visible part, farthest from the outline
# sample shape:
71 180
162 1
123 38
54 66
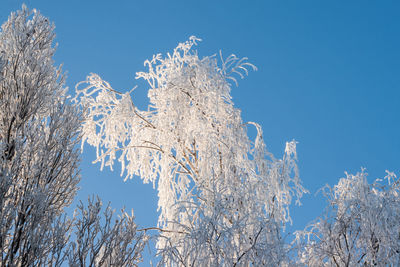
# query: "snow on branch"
213 182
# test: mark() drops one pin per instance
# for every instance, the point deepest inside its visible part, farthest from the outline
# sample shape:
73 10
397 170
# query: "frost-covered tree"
223 199
360 228
39 159
100 241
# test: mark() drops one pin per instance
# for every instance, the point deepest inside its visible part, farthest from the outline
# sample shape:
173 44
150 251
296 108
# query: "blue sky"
328 76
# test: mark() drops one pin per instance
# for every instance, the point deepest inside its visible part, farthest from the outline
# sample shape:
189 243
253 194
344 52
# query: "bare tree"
223 199
101 242
38 155
360 228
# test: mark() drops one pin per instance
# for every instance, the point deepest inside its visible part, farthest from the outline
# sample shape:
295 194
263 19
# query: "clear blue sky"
328 76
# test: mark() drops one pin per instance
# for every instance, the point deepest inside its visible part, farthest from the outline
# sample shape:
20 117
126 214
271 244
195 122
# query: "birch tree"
223 198
360 227
39 159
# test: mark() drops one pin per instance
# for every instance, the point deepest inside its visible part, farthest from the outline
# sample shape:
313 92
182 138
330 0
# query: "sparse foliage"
223 199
